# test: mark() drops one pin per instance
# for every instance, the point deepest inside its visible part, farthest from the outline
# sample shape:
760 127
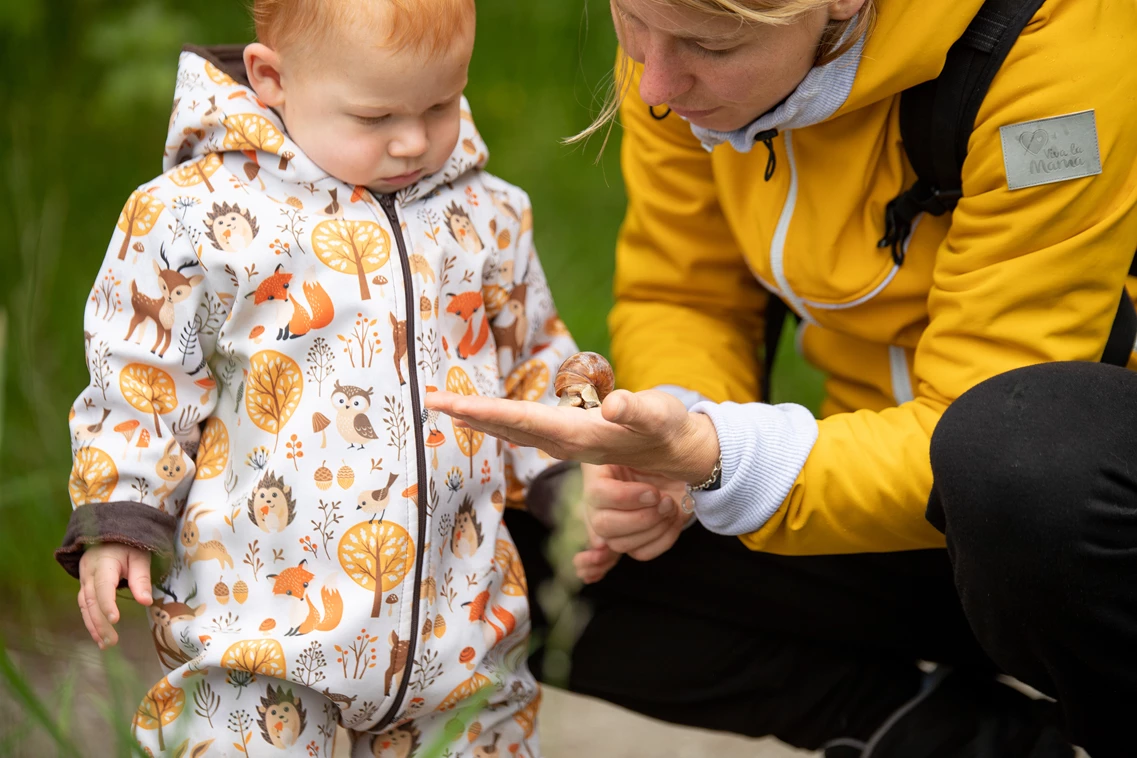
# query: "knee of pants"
1028 464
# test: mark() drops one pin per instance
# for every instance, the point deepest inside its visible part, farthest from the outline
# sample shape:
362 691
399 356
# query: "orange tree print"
197 172
273 391
377 557
161 706
469 440
248 659
93 477
512 572
352 247
218 76
528 381
248 131
138 216
467 689
213 452
148 389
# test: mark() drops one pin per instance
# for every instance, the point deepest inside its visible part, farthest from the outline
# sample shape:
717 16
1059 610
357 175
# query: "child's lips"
403 178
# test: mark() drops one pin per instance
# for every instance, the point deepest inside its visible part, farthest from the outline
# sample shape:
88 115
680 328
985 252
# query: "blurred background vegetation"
84 102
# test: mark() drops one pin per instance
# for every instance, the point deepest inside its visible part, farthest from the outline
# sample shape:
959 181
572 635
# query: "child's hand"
630 512
100 569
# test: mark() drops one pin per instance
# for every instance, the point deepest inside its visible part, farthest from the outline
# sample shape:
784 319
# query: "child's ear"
262 64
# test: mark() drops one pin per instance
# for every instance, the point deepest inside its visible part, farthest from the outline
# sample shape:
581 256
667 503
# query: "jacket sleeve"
136 426
1023 277
532 342
688 310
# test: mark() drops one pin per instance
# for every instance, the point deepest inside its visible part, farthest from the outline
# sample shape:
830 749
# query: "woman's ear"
842 10
262 64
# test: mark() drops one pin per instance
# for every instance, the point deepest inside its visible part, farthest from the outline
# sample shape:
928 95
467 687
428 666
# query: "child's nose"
410 142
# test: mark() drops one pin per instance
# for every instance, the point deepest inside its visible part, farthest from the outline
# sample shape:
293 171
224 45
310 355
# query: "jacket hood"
908 45
220 113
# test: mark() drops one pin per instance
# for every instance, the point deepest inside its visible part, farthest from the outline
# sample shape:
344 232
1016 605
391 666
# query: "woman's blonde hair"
839 36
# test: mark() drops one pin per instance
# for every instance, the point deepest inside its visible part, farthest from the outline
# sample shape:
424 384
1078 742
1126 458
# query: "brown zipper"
388 204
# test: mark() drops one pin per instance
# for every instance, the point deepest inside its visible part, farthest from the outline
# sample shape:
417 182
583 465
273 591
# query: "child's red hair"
425 26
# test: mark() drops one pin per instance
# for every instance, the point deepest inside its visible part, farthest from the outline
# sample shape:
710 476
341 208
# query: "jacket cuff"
128 523
545 492
764 448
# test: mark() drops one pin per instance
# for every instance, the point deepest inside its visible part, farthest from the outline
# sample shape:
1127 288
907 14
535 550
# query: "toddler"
323 249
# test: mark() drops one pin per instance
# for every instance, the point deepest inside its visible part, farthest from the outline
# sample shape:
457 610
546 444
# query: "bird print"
375 501
351 404
90 432
500 201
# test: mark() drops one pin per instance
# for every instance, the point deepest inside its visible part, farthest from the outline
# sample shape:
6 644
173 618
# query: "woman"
761 148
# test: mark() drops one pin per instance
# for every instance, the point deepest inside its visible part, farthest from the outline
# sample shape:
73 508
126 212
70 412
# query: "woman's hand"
649 431
629 512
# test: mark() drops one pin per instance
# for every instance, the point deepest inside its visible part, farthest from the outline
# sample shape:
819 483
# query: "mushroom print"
320 422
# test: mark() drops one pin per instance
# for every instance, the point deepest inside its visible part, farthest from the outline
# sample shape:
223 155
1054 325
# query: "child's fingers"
138 577
660 545
87 618
107 574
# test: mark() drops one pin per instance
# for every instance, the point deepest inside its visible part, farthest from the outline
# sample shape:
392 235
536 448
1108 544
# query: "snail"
584 380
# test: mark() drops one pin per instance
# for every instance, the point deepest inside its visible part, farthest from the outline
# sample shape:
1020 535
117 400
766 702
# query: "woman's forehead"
682 21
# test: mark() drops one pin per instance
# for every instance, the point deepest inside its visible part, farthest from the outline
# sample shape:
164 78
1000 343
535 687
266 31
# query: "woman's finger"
602 492
634 542
660 545
138 577
613 523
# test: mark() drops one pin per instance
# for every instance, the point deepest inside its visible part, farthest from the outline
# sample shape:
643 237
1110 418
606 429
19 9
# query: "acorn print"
240 591
427 626
474 730
345 476
221 592
439 626
323 477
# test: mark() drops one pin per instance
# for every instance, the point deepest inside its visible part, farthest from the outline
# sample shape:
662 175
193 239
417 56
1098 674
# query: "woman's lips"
691 115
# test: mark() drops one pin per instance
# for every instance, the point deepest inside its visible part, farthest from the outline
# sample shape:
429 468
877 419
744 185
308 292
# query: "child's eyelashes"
371 120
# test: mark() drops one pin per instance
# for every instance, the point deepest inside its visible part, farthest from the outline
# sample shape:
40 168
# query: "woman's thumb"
631 410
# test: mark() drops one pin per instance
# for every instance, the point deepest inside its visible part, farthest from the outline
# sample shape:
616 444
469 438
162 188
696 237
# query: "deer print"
171 469
512 336
175 287
163 615
394 675
399 336
213 550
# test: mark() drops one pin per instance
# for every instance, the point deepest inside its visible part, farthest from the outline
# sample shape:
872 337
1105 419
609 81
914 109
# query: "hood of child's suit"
216 111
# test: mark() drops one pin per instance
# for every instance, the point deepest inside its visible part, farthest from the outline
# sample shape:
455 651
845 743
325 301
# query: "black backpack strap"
937 116
1123 336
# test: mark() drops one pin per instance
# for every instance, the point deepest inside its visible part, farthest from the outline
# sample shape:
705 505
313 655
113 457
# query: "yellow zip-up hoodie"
1012 277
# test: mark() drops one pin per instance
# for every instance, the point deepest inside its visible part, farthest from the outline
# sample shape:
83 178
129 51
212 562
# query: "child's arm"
135 428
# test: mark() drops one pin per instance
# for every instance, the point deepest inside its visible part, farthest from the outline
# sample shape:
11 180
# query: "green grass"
85 98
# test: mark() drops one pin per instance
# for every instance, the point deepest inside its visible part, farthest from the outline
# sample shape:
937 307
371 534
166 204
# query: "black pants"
1036 492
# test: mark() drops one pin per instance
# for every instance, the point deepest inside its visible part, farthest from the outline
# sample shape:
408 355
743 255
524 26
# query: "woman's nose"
663 80
410 142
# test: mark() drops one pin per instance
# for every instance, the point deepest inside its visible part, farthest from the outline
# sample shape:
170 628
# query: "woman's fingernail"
666 505
649 498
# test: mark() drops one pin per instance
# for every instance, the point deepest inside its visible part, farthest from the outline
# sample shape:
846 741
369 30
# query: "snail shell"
585 370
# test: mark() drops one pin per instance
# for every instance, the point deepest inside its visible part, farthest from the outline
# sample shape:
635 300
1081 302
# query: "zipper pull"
767 139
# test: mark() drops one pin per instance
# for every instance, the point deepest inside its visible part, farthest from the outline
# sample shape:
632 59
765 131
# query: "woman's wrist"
697 451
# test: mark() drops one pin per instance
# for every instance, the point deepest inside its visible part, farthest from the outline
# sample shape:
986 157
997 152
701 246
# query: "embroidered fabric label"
1051 150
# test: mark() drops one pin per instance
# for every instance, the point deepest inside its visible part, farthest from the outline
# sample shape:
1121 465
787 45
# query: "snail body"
584 380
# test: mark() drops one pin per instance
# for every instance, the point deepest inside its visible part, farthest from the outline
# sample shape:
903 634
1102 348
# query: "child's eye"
372 120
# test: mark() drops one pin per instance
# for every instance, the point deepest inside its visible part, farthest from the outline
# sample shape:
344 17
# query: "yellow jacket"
1011 278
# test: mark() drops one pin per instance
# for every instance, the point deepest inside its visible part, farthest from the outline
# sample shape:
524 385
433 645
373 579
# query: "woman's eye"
713 53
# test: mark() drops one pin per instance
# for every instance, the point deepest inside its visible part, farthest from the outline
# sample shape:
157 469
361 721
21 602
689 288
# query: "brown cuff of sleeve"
545 492
125 522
